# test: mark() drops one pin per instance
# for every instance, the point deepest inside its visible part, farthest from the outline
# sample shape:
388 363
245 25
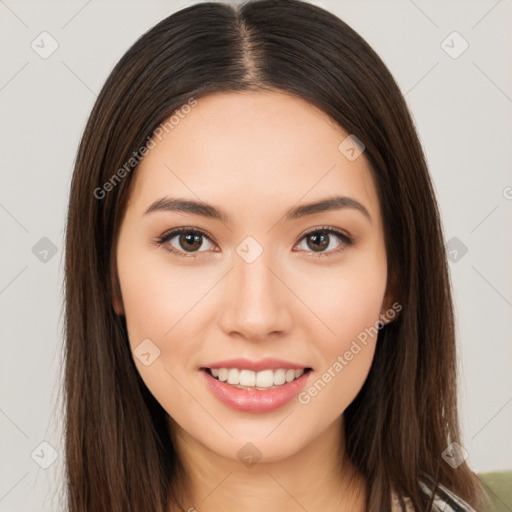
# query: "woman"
258 310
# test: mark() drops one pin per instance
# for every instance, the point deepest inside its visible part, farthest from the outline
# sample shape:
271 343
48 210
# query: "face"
255 289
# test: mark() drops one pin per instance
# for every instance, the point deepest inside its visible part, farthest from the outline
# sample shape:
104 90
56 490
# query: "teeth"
247 378
279 377
265 379
262 379
290 375
233 376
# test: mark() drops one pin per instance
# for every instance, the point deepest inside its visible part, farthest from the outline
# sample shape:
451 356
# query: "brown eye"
188 241
319 240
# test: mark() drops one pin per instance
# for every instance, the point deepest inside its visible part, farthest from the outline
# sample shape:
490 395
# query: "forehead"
250 151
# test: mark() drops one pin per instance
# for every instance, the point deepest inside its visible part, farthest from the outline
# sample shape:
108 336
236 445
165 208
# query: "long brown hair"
119 452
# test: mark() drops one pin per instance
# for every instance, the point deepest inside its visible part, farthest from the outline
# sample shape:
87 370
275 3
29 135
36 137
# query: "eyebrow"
171 204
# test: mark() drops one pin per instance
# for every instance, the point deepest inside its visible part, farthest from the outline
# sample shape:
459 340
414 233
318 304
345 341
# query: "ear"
391 305
117 299
117 302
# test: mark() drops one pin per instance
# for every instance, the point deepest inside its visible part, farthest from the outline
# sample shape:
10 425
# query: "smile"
249 379
255 386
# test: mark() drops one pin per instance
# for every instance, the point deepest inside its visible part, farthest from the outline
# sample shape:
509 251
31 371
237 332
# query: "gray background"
462 107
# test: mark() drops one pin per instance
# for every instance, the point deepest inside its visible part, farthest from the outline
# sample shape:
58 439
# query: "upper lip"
268 363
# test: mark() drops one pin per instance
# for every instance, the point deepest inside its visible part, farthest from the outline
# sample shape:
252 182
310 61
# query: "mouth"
263 380
255 387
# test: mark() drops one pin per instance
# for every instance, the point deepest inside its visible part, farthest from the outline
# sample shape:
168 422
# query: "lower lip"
253 400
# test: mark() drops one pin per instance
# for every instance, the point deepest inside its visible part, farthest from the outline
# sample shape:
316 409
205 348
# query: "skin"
254 155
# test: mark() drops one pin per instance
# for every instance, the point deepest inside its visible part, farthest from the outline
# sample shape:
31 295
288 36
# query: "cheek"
159 305
348 304
345 299
166 304
157 294
160 302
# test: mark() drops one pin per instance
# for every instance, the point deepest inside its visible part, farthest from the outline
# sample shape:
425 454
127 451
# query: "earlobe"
391 307
117 302
390 314
117 299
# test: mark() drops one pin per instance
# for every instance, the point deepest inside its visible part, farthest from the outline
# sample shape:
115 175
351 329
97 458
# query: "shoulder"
444 501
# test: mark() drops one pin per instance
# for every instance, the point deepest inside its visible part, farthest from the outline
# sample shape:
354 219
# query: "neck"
319 477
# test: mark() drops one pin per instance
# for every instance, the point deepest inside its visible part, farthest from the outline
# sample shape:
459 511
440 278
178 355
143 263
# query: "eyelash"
345 240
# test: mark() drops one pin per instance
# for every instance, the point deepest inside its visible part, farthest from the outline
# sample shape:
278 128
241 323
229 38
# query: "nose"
256 303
